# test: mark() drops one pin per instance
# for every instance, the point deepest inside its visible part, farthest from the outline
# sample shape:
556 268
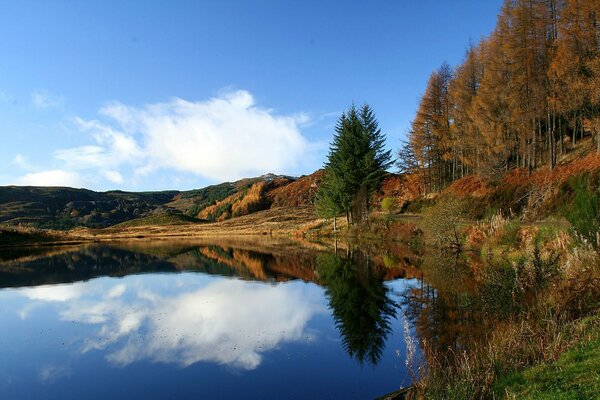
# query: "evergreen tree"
329 198
376 159
355 165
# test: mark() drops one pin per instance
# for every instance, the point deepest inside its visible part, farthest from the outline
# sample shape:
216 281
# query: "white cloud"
117 291
59 293
224 138
43 99
229 322
112 148
55 177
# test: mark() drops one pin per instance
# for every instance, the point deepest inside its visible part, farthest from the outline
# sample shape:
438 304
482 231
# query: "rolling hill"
66 208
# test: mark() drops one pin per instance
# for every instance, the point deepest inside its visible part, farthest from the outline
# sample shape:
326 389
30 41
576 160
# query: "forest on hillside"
522 97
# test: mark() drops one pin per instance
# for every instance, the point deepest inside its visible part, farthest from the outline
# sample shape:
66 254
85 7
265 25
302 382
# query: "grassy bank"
541 284
575 375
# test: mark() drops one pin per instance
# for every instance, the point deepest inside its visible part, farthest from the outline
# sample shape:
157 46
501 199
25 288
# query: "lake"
228 320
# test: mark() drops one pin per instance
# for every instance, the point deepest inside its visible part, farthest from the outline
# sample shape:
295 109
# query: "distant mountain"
65 208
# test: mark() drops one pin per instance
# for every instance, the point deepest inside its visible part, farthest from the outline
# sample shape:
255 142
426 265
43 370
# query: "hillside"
65 208
529 195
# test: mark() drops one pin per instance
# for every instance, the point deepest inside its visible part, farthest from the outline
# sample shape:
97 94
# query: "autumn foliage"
522 98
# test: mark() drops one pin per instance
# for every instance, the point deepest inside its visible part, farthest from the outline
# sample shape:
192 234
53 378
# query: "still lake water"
203 320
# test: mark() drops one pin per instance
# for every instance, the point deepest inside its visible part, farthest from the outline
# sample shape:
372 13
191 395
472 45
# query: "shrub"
584 212
388 204
441 224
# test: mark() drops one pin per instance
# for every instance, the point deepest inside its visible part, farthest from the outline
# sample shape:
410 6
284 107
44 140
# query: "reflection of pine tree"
360 303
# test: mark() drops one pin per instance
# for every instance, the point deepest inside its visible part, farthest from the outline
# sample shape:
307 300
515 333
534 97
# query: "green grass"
163 219
576 375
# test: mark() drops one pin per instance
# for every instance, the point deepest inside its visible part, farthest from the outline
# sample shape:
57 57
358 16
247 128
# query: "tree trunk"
561 149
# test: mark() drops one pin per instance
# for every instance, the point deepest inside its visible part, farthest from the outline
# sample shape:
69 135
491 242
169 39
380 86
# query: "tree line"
521 98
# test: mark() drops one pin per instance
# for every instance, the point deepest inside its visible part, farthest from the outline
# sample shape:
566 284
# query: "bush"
441 224
584 212
388 204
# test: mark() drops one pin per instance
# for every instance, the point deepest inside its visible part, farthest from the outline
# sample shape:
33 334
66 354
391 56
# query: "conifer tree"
355 166
329 199
517 99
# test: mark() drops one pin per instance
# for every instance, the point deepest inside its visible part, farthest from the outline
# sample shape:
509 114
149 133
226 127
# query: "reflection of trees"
88 262
442 307
361 307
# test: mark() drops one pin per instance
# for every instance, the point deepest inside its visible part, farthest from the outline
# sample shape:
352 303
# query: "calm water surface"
227 321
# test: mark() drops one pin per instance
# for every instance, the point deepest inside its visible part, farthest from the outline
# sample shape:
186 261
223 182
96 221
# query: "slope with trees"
521 98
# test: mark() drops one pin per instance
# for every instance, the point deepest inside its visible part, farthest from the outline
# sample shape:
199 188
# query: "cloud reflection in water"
230 322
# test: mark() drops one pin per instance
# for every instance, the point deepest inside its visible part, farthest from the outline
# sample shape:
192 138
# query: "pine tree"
355 166
376 159
329 199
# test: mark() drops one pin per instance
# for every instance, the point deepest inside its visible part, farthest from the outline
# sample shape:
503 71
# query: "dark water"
204 320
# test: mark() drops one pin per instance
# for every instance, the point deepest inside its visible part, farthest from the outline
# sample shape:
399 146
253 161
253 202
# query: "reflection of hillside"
78 265
261 266
264 259
260 259
70 264
24 254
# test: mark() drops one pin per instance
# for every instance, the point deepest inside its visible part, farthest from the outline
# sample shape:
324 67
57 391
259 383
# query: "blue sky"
153 95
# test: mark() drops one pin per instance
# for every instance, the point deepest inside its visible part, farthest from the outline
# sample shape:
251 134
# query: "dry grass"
471 185
282 222
512 347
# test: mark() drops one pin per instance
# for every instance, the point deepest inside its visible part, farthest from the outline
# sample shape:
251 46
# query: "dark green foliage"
330 197
510 234
500 293
356 163
62 223
417 206
223 208
509 284
360 303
